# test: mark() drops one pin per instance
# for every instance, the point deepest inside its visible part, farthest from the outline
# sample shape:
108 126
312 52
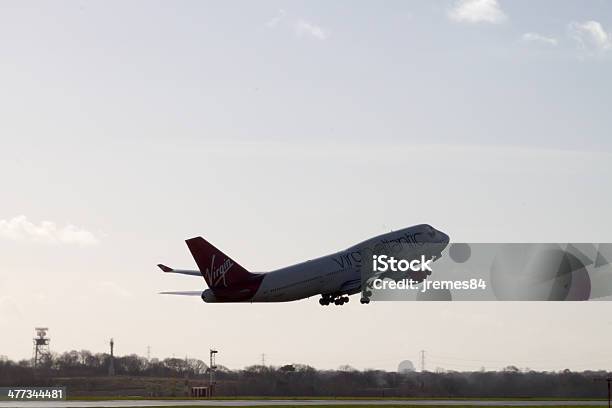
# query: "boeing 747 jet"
334 277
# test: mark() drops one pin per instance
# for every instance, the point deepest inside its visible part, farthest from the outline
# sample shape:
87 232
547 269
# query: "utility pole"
111 364
263 359
608 380
423 361
149 353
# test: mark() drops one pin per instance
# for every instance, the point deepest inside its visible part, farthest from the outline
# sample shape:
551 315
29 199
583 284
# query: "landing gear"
365 296
341 300
336 300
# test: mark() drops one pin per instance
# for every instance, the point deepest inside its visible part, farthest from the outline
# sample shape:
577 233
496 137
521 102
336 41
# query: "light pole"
212 367
608 380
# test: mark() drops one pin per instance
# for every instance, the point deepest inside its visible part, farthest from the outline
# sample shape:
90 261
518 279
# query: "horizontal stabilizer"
168 269
165 268
184 293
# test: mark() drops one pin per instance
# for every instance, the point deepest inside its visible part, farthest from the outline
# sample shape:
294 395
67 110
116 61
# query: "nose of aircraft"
444 238
436 235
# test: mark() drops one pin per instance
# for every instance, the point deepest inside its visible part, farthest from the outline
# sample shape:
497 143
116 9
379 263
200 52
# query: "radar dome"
405 366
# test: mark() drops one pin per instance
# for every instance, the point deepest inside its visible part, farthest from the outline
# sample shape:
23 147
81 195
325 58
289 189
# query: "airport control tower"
42 352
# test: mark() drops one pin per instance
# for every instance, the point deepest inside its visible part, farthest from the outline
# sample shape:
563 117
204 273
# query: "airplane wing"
184 293
351 287
167 269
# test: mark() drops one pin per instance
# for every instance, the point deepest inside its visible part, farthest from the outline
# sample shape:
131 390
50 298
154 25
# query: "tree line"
86 364
304 380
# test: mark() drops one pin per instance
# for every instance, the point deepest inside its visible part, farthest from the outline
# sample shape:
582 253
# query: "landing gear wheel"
324 301
336 300
364 301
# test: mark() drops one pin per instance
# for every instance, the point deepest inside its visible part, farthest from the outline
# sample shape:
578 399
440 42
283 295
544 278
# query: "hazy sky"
281 131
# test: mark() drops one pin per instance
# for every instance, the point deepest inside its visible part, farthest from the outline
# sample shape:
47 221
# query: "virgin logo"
217 275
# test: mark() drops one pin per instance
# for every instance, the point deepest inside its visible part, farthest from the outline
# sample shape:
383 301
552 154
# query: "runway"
255 403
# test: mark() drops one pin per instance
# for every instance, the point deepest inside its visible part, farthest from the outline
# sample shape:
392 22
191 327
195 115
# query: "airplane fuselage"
331 276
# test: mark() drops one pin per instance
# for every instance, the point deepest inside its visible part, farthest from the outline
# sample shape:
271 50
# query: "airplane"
334 277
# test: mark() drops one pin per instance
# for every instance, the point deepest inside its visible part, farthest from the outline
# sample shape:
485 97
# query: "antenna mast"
111 364
42 352
422 360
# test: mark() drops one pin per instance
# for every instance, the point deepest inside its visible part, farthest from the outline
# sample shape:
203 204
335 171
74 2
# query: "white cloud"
276 20
21 229
591 35
304 28
539 38
477 11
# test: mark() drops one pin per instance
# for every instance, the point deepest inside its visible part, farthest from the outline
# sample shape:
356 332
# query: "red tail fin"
218 269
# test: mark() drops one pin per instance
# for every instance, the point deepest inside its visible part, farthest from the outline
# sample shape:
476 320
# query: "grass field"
253 398
388 405
399 404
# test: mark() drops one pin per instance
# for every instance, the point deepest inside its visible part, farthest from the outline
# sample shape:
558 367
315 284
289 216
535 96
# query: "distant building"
405 366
